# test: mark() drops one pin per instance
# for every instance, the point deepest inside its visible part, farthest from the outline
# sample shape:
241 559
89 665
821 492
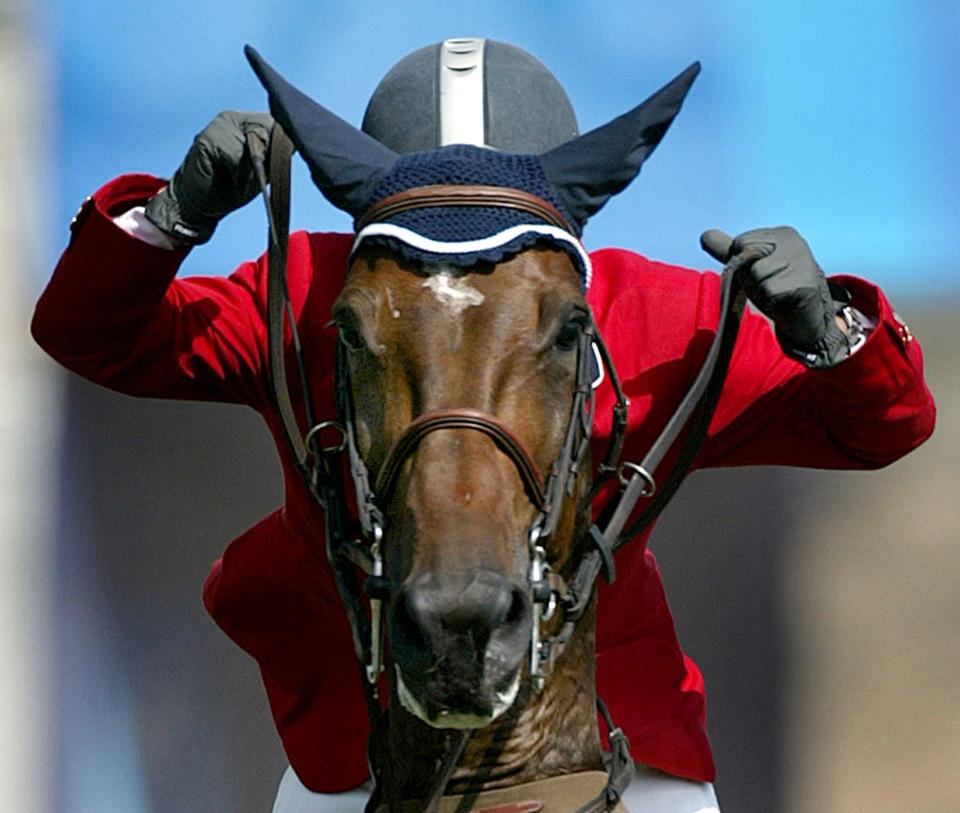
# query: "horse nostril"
488 601
413 608
519 608
478 603
491 603
408 619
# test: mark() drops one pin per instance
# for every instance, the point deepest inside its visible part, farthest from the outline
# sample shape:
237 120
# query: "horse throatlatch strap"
502 197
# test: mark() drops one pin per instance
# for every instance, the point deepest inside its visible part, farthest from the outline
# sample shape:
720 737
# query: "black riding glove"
215 178
788 286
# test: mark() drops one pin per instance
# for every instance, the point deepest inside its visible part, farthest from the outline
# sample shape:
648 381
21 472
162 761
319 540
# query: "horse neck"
546 733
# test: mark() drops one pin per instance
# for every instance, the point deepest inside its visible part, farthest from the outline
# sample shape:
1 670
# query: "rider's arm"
865 412
115 313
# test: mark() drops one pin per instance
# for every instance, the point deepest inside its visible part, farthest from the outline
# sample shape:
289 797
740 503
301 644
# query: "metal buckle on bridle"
544 603
312 440
375 667
650 485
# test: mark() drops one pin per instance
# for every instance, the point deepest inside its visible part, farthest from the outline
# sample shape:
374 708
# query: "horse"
465 361
497 340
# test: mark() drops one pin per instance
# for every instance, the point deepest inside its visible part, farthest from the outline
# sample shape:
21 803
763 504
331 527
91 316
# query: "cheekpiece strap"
421 197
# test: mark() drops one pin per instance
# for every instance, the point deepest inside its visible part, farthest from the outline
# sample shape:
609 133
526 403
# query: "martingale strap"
279 307
696 409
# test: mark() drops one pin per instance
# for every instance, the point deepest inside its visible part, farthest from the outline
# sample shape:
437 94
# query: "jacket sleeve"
659 320
864 413
115 313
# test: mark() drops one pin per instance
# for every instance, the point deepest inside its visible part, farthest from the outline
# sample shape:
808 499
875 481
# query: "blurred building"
30 424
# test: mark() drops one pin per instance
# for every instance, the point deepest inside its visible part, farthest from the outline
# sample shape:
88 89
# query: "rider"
836 382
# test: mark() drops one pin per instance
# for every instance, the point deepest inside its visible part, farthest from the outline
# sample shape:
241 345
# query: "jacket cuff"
890 350
103 267
883 381
125 192
94 222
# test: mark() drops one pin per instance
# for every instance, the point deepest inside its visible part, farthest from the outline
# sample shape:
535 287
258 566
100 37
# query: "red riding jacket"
115 313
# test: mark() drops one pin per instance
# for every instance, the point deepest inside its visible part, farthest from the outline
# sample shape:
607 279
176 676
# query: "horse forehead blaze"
420 299
455 293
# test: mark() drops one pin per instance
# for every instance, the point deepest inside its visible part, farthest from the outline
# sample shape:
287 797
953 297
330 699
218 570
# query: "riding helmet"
470 91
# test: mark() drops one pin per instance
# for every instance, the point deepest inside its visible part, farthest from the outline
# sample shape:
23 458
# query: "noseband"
490 425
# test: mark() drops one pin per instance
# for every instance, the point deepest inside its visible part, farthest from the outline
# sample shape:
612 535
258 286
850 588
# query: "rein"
320 464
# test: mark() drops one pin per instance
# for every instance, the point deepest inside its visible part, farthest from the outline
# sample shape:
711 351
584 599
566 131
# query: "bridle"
547 494
319 457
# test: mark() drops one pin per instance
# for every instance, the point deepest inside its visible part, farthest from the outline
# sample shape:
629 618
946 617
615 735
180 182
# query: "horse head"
499 341
464 380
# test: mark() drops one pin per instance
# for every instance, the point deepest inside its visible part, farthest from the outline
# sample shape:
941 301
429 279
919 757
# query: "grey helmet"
470 91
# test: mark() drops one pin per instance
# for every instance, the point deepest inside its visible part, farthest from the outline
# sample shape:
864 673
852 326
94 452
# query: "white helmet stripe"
461 92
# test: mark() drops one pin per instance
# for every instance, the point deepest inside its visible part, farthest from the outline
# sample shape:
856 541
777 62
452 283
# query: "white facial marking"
394 310
454 292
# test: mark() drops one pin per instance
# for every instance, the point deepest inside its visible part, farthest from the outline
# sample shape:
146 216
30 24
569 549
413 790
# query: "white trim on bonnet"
601 374
411 238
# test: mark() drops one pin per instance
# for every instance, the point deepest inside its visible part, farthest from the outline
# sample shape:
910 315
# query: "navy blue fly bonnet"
355 172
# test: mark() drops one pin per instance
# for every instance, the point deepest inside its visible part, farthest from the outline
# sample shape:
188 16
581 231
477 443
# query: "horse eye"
569 335
350 336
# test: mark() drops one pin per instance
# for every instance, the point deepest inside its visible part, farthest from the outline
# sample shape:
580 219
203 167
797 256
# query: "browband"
421 197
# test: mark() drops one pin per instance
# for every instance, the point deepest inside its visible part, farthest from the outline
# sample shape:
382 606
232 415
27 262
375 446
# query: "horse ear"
345 163
587 171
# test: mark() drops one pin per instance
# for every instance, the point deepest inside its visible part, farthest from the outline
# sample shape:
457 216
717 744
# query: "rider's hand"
215 178
788 286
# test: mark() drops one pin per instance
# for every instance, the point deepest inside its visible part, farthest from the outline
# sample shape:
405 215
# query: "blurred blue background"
839 117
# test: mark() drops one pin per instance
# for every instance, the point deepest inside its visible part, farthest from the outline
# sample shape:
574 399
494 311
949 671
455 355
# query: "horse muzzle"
458 643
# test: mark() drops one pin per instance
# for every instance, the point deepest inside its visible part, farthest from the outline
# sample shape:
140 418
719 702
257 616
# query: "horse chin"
447 718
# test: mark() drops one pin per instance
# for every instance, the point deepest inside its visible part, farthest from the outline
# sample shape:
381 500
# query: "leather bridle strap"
463 418
501 197
278 211
320 467
695 410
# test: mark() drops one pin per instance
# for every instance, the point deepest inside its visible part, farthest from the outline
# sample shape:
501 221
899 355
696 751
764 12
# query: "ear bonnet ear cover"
589 170
345 164
355 171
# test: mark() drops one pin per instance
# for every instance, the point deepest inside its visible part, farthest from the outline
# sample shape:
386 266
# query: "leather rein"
319 456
